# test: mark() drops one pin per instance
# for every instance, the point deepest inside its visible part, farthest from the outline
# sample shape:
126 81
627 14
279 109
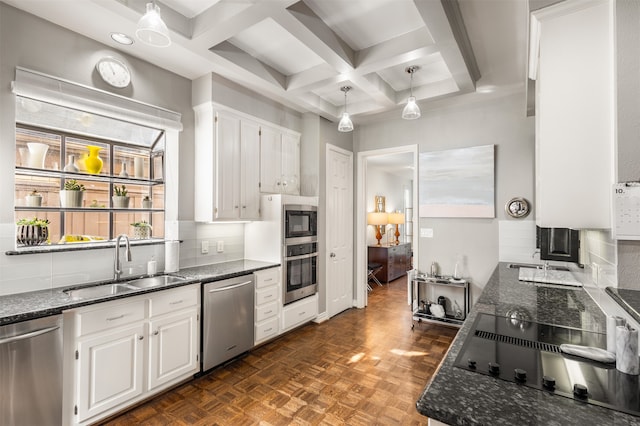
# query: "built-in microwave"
300 223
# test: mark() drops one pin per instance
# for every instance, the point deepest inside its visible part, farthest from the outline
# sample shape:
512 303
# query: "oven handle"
302 256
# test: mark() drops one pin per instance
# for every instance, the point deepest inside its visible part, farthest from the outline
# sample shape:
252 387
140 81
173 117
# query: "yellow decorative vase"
93 163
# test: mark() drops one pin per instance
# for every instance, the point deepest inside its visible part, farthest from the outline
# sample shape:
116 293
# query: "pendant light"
411 111
345 124
151 28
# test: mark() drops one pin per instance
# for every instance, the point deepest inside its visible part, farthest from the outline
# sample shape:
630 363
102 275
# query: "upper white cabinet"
279 161
227 179
572 61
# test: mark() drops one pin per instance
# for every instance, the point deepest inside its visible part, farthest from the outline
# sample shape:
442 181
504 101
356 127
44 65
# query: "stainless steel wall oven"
300 270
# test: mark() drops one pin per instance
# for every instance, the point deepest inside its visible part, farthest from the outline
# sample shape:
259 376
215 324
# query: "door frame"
360 242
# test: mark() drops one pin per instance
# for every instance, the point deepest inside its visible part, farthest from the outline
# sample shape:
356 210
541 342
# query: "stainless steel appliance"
518 350
227 319
31 372
300 271
300 223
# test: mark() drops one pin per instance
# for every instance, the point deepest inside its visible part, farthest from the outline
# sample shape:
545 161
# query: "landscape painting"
458 183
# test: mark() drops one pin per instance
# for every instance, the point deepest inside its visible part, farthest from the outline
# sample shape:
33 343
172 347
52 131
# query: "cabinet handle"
267 280
278 183
244 207
332 255
176 302
141 338
155 333
268 329
115 318
268 312
302 313
268 296
235 207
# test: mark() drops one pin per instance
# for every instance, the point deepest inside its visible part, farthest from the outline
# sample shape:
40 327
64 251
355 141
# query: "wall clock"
517 207
114 72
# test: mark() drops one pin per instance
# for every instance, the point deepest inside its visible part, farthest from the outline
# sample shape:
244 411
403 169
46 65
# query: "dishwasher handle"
229 287
28 335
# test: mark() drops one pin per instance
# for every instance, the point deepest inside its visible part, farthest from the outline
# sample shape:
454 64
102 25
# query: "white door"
339 220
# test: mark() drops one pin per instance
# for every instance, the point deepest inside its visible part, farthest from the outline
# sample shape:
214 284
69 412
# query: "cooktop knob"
472 364
494 368
549 382
520 375
580 391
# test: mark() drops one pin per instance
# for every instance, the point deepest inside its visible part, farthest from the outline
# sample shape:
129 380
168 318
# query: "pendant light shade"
345 124
151 28
411 111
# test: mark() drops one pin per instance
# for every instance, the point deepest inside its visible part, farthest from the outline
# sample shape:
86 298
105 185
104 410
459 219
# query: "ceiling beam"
247 62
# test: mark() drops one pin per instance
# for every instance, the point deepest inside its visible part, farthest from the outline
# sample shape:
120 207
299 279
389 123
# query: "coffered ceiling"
300 52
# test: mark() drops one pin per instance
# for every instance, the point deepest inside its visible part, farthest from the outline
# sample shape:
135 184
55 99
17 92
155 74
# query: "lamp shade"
411 111
377 218
345 125
151 28
396 218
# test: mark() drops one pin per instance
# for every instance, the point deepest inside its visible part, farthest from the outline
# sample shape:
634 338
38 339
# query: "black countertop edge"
613 292
456 396
43 303
56 248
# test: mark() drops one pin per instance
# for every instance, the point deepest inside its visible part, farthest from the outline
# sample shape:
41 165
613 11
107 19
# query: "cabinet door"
228 147
173 347
250 171
290 171
110 370
270 160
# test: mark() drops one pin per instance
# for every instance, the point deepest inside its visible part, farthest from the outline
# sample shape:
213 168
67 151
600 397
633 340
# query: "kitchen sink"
538 266
99 291
158 281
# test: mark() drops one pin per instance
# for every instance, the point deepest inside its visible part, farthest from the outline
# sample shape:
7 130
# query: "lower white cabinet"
297 313
268 304
120 352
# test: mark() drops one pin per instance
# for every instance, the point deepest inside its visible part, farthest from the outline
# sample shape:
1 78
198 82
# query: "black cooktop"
528 353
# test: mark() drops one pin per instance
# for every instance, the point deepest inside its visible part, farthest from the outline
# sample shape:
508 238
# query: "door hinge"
260 132
75 410
77 354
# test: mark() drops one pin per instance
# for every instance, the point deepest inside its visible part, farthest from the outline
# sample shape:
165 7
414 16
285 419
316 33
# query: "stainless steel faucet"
117 268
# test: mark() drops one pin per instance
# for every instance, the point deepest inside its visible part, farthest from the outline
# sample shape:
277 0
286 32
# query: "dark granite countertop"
460 397
37 304
627 298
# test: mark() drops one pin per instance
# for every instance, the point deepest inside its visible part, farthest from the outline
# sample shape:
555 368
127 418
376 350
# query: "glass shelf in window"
37 150
132 161
80 148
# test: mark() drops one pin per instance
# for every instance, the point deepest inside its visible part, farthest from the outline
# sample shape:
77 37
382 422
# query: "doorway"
366 163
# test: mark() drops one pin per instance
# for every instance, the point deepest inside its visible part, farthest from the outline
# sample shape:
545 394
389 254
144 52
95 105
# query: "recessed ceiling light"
122 38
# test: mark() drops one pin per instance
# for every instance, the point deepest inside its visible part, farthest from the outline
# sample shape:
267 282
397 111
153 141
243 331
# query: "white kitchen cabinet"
227 180
297 313
268 304
572 61
120 352
279 161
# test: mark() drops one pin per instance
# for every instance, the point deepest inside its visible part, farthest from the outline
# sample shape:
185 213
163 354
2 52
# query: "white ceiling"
300 52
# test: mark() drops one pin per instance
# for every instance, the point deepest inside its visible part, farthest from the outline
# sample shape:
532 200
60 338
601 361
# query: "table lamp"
377 219
396 218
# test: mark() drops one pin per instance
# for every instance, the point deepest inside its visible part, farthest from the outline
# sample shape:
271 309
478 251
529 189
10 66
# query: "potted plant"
120 198
34 199
146 202
71 194
32 232
141 230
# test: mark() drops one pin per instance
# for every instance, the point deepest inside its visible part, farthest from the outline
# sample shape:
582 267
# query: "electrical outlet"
220 246
595 272
204 249
426 232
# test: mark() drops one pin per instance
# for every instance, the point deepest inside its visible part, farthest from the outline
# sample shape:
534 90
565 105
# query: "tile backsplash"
599 251
193 234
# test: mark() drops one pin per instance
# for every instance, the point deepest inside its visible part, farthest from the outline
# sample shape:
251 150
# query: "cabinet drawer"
266 329
299 312
267 277
266 311
173 300
110 316
269 294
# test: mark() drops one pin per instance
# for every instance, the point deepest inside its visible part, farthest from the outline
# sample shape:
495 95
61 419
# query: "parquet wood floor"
361 367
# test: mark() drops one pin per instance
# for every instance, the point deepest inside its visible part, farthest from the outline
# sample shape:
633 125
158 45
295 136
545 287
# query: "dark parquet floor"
361 367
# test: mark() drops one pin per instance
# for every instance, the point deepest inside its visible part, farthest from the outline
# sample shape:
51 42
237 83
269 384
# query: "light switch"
205 247
426 232
220 246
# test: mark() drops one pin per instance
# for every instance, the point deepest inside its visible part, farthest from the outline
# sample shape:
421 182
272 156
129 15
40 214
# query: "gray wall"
628 115
501 122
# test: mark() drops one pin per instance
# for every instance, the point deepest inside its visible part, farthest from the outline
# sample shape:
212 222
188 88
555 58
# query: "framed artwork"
458 183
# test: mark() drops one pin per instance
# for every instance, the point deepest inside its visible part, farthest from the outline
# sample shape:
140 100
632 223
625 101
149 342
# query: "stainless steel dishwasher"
227 319
31 372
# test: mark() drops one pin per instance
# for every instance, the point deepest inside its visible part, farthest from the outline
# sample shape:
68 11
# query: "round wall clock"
517 207
114 72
